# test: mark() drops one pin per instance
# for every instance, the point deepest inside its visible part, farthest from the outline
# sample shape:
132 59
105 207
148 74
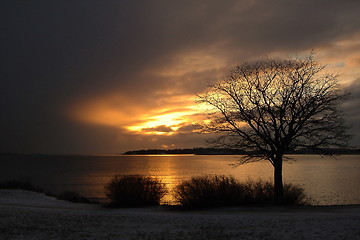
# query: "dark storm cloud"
61 46
352 111
56 53
283 25
352 102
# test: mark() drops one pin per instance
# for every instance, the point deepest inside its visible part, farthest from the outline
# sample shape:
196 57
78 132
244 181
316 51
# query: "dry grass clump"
208 191
225 191
135 191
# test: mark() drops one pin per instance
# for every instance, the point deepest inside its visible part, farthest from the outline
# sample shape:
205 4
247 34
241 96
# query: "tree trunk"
278 182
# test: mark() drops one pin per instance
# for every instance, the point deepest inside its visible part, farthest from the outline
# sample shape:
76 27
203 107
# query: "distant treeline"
197 151
229 151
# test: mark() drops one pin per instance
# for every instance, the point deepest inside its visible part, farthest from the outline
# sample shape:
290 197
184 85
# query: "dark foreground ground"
29 215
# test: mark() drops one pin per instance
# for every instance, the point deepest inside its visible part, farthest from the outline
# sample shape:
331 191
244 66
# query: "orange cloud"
109 111
166 117
164 122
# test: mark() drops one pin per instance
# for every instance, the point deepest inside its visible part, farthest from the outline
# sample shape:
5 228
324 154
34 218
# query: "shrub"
208 191
257 193
262 193
134 191
223 191
295 195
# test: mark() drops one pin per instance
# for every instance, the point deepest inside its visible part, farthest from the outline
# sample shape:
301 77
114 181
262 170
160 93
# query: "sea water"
327 180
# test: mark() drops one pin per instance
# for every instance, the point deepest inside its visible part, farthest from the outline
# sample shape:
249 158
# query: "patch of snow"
26 215
33 199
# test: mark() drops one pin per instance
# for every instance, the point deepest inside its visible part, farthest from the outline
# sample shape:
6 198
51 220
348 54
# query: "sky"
104 77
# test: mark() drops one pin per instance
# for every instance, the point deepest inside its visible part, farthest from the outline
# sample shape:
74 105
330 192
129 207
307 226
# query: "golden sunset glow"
182 111
105 112
163 124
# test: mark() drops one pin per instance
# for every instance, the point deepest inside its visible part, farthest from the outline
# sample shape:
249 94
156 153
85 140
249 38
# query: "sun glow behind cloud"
179 116
163 124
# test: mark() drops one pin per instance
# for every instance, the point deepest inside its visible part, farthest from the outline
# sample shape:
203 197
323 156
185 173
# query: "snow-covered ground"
29 215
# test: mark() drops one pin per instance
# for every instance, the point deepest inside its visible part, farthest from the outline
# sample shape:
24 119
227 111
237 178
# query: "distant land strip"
230 151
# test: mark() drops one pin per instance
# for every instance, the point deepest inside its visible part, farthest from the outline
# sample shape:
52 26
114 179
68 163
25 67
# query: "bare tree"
272 107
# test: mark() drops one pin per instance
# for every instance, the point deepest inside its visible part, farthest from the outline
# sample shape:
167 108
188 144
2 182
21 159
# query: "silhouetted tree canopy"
272 107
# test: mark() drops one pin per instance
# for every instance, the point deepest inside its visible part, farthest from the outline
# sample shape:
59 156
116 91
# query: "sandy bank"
28 215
